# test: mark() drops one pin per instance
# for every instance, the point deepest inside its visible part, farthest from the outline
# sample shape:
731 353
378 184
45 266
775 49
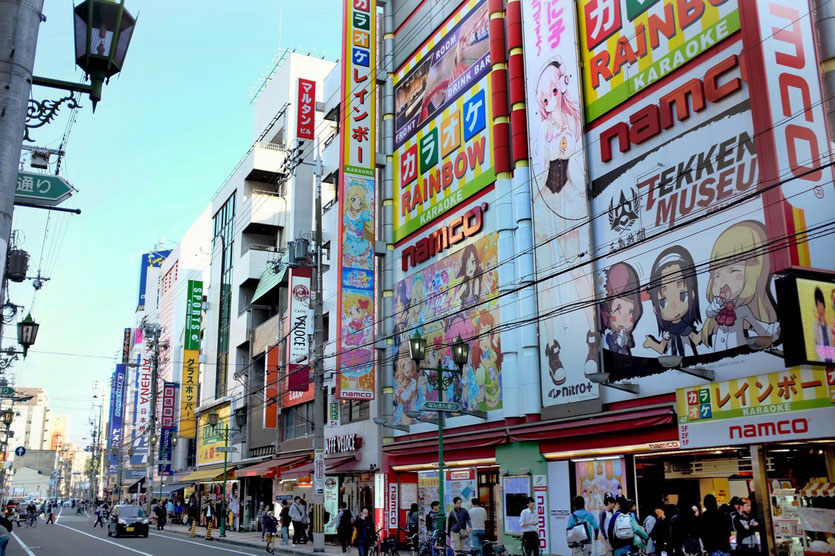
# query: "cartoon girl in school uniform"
739 289
358 227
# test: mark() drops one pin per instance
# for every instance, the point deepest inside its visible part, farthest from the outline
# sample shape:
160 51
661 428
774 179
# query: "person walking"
284 519
99 517
345 526
298 517
580 516
50 513
684 538
603 520
235 510
714 529
478 518
5 534
413 527
658 528
623 528
745 527
309 531
459 525
365 532
527 522
270 524
432 517
159 511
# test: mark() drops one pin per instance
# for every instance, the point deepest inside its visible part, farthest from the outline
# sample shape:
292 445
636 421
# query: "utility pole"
318 371
153 331
20 21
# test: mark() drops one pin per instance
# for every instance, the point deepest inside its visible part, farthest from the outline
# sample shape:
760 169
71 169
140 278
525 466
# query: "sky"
168 131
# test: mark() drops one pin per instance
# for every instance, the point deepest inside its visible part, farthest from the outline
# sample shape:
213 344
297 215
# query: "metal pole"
441 511
152 421
318 369
19 24
223 485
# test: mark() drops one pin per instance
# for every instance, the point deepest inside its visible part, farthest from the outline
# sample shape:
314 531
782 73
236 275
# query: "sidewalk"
252 540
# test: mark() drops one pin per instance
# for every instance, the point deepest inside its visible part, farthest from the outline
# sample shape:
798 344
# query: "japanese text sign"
306 112
188 393
211 437
194 308
169 412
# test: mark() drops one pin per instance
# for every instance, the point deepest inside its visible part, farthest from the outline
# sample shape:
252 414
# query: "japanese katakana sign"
357 205
169 412
306 109
793 404
188 393
42 189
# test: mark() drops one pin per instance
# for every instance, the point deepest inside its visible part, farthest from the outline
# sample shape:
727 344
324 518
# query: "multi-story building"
31 428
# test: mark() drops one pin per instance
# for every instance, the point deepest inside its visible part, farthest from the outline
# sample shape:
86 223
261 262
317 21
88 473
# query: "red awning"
599 424
331 464
268 469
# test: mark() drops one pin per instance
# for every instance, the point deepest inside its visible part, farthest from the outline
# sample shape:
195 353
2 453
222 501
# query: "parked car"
127 520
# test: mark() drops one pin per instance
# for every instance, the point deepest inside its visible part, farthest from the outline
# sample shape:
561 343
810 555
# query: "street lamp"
240 417
27 333
8 416
460 356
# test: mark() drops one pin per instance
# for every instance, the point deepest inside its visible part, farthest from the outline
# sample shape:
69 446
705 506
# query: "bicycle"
32 520
492 548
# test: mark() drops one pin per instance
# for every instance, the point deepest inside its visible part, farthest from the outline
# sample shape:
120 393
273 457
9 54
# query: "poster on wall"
596 479
568 345
210 438
443 146
516 490
428 492
459 482
331 503
628 46
467 279
355 332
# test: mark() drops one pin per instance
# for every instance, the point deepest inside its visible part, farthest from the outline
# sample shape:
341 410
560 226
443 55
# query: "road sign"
453 407
42 189
6 392
20 451
230 449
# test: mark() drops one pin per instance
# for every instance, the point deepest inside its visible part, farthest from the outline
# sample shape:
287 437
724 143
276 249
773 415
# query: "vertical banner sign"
319 471
111 459
169 393
140 447
540 496
126 345
117 414
296 380
333 409
306 113
143 402
271 389
568 349
380 494
166 451
191 355
391 506
355 332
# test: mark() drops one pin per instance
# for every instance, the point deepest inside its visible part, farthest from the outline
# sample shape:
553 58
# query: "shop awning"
331 465
818 489
269 468
168 490
214 474
268 280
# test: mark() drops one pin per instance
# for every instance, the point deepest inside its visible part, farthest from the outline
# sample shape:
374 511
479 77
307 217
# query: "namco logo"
301 293
779 428
458 229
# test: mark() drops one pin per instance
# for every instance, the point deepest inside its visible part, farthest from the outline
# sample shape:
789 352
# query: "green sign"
6 392
634 8
194 308
41 189
453 407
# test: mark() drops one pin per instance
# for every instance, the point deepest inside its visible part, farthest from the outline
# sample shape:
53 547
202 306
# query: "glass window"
354 410
224 224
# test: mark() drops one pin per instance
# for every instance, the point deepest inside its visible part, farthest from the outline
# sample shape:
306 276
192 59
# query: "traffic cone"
193 528
209 530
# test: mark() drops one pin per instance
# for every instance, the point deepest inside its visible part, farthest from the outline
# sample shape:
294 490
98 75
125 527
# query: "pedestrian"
97 511
478 518
714 529
459 525
745 527
259 518
235 510
365 532
298 518
50 513
412 526
684 531
159 511
658 528
5 534
284 518
603 520
169 510
270 524
623 528
527 522
345 526
580 538
432 517
309 513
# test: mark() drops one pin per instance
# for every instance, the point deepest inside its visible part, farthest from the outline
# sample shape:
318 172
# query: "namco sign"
778 427
769 429
457 230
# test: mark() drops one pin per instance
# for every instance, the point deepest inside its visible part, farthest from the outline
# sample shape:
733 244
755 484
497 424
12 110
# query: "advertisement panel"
516 490
790 123
169 412
540 496
139 441
296 382
807 310
154 259
188 393
306 109
144 385
331 503
463 285
194 314
560 207
459 482
792 404
126 344
357 204
628 45
117 409
166 451
443 146
211 438
271 388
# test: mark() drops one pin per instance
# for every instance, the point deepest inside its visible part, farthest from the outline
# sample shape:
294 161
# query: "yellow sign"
188 393
211 438
628 45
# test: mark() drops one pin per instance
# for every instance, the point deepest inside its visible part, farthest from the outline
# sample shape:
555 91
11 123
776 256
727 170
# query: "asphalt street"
74 536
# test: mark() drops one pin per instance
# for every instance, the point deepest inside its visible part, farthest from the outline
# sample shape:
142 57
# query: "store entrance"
488 490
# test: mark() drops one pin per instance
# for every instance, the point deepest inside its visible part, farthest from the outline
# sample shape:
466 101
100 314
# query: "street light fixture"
8 416
27 333
440 380
214 418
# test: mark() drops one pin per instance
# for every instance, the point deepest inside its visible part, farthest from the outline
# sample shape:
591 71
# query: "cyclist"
31 512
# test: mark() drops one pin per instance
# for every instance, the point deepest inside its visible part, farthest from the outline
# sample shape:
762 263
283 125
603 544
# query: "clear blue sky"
167 132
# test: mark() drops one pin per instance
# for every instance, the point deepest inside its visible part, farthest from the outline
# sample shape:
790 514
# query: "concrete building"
31 427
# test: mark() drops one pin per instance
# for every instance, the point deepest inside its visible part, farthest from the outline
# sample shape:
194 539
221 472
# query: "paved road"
75 536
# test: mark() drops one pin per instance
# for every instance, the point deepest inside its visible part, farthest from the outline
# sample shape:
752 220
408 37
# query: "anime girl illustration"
407 387
358 230
463 389
415 313
357 316
471 274
622 309
673 290
401 309
739 288
560 199
486 363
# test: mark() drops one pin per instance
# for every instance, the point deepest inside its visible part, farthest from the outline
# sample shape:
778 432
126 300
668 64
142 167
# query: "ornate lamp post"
240 420
441 379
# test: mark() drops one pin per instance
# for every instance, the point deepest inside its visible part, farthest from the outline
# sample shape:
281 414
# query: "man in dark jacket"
459 525
715 529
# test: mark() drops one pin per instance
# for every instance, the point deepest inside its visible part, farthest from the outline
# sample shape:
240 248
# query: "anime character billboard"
463 285
568 341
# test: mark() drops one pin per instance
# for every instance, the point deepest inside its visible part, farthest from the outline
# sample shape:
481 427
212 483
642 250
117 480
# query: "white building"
30 428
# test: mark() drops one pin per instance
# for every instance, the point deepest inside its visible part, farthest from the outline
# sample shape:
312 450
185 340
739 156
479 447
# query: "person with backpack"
623 530
582 528
413 526
284 521
715 529
603 519
345 526
684 529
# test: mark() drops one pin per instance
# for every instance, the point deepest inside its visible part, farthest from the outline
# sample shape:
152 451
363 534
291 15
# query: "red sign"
271 389
306 113
169 395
